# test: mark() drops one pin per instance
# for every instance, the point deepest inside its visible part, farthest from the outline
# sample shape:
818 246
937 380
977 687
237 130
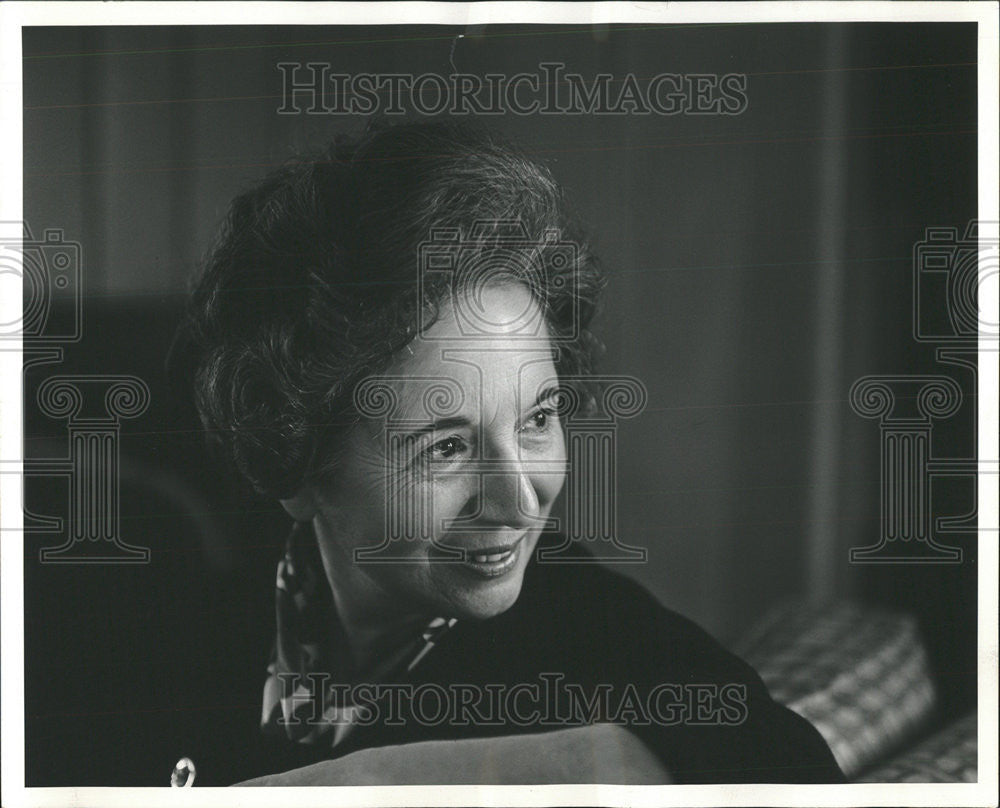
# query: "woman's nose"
508 494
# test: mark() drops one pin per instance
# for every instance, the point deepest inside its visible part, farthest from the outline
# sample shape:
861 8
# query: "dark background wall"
761 263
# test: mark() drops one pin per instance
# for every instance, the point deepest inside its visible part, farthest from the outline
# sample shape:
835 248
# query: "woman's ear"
301 507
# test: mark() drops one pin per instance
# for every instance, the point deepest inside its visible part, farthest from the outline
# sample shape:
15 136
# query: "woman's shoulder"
592 623
574 582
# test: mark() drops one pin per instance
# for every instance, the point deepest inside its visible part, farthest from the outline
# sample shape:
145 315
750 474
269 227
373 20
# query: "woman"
392 341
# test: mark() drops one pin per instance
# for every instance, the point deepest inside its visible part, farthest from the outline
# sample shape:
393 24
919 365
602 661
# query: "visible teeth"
489 559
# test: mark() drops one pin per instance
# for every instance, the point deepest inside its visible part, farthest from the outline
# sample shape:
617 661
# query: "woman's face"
461 494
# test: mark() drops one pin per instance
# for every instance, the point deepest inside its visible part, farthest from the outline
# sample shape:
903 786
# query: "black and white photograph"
499 403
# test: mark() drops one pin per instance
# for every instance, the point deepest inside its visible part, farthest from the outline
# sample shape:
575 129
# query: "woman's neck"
373 635
374 623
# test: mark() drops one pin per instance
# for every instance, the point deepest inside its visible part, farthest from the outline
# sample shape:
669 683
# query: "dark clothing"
607 646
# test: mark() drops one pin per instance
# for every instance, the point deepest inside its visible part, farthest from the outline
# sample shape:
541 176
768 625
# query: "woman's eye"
541 419
445 449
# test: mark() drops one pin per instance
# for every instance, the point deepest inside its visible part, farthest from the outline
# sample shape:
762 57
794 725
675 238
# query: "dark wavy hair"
312 284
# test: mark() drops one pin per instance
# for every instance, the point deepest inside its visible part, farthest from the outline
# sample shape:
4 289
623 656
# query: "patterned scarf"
310 640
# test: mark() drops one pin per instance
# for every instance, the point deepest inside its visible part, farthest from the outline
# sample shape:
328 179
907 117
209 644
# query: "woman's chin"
487 599
484 587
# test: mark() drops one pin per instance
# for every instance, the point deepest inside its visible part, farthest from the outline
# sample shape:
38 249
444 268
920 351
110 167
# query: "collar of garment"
305 697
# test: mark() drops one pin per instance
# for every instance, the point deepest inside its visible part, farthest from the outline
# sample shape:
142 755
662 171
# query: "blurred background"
760 264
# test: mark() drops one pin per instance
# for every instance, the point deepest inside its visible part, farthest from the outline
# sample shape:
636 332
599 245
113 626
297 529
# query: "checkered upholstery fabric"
858 674
947 757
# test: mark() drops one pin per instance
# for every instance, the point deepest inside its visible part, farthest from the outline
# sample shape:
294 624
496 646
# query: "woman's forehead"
474 380
501 363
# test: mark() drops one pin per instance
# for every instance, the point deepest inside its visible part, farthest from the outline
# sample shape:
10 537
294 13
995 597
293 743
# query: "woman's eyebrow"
545 394
440 424
455 421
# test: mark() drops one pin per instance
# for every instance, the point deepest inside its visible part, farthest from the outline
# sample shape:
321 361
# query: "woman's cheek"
425 505
547 488
452 497
550 476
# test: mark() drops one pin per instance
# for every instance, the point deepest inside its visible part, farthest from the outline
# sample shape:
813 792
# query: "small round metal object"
183 774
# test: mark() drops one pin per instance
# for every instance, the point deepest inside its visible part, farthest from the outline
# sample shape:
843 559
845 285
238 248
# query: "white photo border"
16 15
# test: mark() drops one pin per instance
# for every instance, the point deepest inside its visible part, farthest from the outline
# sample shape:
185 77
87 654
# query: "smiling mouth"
492 561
